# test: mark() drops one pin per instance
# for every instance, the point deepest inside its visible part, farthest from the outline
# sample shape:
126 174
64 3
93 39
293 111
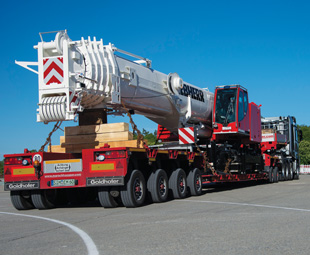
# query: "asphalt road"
244 219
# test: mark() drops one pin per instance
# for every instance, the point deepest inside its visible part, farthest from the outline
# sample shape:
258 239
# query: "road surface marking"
245 204
90 245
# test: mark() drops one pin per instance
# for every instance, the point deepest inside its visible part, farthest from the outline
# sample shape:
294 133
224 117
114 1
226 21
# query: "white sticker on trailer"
268 138
63 166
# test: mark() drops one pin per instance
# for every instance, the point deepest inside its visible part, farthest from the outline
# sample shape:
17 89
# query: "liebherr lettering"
196 94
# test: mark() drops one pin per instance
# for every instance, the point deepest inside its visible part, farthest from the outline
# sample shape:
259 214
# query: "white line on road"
90 245
245 204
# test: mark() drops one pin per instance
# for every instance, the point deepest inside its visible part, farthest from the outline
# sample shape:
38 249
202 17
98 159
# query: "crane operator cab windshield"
225 108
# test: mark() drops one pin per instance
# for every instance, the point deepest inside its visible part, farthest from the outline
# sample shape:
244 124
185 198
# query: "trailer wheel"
44 199
178 183
275 174
291 171
269 170
133 193
270 173
105 198
157 185
296 171
285 170
288 171
21 200
194 182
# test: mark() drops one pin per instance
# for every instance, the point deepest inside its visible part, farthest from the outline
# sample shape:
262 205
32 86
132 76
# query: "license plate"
60 183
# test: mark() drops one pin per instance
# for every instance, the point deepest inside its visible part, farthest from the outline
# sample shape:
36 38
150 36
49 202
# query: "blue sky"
261 45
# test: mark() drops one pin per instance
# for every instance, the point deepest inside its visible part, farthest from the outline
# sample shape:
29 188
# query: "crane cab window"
243 105
241 108
225 107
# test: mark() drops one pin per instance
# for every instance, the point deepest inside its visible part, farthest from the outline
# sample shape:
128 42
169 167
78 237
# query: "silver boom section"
74 75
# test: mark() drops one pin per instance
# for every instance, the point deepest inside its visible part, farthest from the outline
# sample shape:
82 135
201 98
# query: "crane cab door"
243 112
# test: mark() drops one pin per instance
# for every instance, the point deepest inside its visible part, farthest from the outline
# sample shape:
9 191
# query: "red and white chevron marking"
186 135
53 70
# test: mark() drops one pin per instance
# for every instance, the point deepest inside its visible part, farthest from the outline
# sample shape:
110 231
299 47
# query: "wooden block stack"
267 131
95 136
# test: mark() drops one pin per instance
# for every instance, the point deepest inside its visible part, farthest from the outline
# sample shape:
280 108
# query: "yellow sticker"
103 167
23 171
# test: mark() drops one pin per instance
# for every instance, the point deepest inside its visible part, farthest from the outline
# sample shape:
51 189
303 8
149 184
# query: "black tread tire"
194 182
19 201
296 173
42 200
269 170
275 174
285 170
105 198
156 179
289 171
178 183
129 197
292 171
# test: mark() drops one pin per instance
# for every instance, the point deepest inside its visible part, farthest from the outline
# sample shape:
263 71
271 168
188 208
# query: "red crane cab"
234 118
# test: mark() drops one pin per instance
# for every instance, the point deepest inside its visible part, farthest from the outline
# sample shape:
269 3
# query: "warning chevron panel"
53 70
186 135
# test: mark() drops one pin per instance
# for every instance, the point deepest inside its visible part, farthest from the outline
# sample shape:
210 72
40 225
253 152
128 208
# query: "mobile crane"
208 137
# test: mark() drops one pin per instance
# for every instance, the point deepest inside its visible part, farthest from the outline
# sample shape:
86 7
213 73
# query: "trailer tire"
21 200
44 199
289 176
296 171
133 193
178 183
269 170
105 198
275 174
291 171
194 182
157 185
285 170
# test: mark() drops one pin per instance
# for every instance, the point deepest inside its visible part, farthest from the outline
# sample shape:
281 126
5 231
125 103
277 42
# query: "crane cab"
234 118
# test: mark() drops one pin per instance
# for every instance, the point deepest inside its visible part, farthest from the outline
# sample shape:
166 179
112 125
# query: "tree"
304 151
148 136
305 132
1 167
304 146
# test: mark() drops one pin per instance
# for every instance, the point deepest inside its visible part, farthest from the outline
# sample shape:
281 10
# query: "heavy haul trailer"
219 134
39 179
